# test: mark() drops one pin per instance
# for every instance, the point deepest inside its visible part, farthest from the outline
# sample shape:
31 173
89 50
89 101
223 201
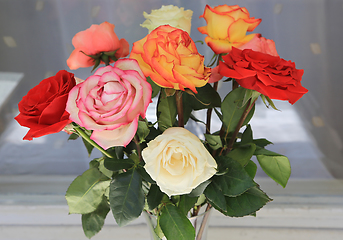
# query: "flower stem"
239 125
136 140
204 221
234 84
209 111
179 106
79 130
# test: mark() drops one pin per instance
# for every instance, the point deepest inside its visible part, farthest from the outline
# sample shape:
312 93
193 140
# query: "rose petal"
120 136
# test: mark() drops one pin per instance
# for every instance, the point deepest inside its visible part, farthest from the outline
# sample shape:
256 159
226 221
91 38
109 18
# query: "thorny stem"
178 97
86 137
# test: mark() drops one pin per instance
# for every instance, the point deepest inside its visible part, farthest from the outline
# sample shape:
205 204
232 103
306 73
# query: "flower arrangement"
161 168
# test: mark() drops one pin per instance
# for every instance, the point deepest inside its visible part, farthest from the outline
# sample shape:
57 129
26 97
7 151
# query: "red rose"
270 75
43 108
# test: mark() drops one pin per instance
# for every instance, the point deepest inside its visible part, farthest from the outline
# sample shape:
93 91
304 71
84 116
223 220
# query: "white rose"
178 161
171 15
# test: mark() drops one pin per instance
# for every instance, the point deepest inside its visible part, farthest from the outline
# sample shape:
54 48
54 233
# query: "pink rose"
110 103
95 40
261 44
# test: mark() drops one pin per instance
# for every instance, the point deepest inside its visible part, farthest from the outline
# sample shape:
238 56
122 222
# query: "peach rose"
95 40
178 161
110 103
170 58
261 44
227 27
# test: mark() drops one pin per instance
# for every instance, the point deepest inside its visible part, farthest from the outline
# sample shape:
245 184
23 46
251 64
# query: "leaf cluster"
118 182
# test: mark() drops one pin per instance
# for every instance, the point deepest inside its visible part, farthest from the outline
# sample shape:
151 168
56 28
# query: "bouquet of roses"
161 168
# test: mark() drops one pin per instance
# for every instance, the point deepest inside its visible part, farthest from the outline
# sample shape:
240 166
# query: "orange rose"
227 27
96 40
170 58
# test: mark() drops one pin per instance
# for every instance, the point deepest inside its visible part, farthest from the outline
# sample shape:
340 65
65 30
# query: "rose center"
177 163
111 91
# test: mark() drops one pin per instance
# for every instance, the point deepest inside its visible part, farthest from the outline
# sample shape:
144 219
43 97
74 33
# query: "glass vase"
200 224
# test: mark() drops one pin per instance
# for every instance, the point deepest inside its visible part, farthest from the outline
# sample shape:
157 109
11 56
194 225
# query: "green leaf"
216 197
119 152
247 135
153 133
154 86
232 108
196 192
103 169
142 172
85 193
142 131
262 151
261 142
276 167
94 163
166 111
154 196
214 141
88 146
206 98
247 203
270 102
99 163
116 152
186 203
126 197
158 230
243 153
236 181
250 94
251 169
191 116
249 116
220 116
93 222
201 200
118 164
73 136
175 225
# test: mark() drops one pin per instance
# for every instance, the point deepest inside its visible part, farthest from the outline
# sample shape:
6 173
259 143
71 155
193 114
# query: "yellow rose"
227 27
178 161
168 15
